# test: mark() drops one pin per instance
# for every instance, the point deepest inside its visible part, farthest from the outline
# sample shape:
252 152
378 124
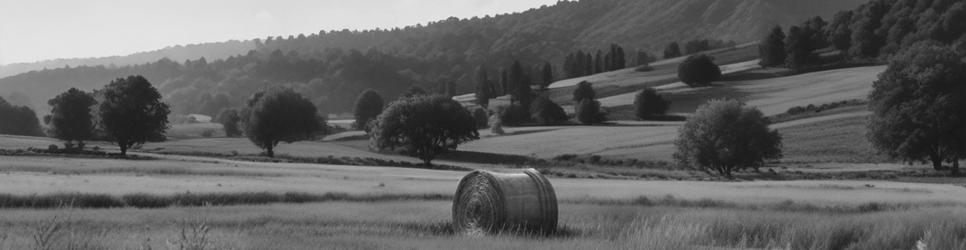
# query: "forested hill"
212 51
333 67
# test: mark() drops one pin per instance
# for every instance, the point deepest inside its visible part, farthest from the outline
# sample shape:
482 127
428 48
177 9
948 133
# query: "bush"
208 133
698 70
545 111
648 103
423 126
589 112
496 125
724 136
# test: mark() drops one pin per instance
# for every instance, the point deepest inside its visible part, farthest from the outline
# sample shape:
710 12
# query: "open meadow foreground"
531 124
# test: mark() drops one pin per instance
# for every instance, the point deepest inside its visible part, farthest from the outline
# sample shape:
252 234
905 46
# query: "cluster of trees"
673 49
514 80
18 120
873 32
579 64
127 111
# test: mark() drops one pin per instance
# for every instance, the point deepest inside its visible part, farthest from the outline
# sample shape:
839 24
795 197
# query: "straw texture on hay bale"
488 202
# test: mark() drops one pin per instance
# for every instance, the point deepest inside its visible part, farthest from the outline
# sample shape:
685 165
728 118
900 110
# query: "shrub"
648 103
423 126
281 115
208 133
724 136
545 111
698 70
368 105
496 125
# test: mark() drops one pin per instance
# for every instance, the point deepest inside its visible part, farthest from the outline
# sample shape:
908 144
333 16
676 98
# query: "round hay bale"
488 202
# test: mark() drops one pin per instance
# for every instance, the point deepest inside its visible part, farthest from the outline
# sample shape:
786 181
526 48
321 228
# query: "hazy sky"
33 30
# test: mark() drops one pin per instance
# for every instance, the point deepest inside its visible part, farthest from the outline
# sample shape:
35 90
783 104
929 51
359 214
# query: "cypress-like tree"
772 48
547 75
673 50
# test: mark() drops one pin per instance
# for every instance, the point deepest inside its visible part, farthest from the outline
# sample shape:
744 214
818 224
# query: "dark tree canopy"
18 120
918 106
584 90
132 113
71 118
698 70
368 106
547 76
673 50
230 120
799 47
281 115
724 136
423 127
649 103
588 112
484 88
545 111
519 84
772 48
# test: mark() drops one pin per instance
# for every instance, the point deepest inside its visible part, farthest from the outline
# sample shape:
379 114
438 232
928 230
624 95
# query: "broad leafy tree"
649 103
724 135
71 118
132 112
231 121
588 112
583 91
423 127
772 48
281 115
799 47
918 106
698 70
368 106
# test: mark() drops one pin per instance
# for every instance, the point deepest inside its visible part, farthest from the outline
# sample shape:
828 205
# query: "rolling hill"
342 62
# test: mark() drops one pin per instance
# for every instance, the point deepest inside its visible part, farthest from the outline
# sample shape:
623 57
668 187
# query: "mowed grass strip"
187 199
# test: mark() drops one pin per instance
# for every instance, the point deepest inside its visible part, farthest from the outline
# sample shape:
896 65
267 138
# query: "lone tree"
673 50
724 136
70 117
649 103
230 119
772 48
423 127
917 106
583 91
281 115
132 113
368 106
698 70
